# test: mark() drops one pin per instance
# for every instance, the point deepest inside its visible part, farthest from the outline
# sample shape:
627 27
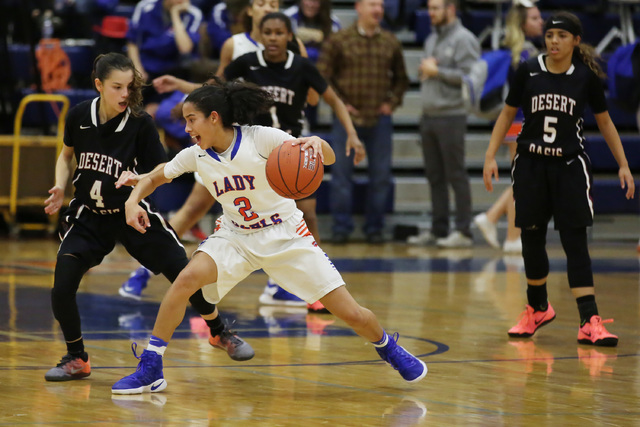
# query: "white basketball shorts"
287 252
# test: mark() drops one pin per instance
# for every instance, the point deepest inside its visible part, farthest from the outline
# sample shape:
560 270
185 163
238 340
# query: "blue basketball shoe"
275 295
147 377
134 285
410 367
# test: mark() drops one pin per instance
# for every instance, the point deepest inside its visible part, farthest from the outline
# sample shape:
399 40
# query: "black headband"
563 23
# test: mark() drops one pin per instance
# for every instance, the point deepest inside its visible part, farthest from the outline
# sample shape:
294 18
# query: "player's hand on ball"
312 142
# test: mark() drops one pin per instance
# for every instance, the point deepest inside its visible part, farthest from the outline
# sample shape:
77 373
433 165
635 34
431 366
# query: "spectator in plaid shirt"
365 65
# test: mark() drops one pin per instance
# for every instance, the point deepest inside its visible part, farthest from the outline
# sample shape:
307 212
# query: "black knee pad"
201 305
68 273
534 252
574 243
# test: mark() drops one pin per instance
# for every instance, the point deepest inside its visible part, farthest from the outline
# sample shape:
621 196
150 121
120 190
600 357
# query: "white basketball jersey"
237 178
243 43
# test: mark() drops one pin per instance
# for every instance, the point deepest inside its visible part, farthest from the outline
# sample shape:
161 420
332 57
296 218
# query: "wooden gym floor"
453 308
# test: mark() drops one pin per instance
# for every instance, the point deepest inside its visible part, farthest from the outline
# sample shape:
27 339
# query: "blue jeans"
377 142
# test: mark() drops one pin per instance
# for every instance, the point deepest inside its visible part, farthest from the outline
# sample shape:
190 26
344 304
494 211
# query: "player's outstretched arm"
136 216
610 134
353 142
500 129
63 170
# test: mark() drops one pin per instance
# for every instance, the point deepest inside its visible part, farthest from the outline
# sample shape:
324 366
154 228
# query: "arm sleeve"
467 52
68 125
236 68
183 162
516 88
399 78
597 100
267 138
150 151
313 76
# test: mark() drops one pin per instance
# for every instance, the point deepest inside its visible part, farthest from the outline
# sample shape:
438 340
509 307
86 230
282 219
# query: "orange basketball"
293 173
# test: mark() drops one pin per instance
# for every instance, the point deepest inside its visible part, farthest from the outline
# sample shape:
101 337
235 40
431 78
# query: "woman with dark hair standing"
551 174
258 228
111 135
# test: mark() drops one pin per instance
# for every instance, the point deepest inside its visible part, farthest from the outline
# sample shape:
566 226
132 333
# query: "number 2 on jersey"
245 208
96 194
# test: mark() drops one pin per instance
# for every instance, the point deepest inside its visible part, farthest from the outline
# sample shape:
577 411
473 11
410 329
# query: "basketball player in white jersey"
258 228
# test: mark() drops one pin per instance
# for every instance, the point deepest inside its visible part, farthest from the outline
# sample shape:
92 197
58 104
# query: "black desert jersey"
553 106
287 81
103 151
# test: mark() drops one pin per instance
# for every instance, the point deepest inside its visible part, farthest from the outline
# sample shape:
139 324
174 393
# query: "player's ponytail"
235 101
104 64
590 57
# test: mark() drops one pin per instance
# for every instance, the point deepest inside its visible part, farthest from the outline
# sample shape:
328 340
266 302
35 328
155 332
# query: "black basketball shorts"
91 236
546 187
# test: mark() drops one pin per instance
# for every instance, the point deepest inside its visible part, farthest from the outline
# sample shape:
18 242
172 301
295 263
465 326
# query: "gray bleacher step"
412 194
408 114
407 151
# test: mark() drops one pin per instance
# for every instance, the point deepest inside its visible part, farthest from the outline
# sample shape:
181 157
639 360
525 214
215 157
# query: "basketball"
293 173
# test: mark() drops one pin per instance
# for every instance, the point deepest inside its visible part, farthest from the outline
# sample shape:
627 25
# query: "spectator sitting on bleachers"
312 23
162 38
224 21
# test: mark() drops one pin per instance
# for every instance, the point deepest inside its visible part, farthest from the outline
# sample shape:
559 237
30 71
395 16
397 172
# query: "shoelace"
597 324
145 368
228 335
66 359
400 353
525 316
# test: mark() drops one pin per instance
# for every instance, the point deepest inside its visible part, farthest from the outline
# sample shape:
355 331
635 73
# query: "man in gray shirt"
450 51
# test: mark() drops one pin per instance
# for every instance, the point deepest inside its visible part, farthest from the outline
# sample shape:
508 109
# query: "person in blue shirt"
312 23
224 20
162 36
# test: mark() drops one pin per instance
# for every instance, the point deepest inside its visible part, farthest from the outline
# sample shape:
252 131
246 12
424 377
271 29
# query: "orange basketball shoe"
70 368
317 307
530 320
594 333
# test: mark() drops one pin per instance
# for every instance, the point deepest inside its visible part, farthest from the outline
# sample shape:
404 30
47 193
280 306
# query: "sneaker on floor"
237 348
422 239
275 295
530 320
70 368
594 333
455 240
512 246
147 377
134 285
317 307
410 367
488 229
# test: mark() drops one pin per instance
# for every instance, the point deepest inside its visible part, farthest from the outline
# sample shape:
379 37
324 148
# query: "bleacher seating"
410 194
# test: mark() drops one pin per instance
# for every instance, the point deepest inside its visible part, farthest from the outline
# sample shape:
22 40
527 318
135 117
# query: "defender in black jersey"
109 136
551 173
288 78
